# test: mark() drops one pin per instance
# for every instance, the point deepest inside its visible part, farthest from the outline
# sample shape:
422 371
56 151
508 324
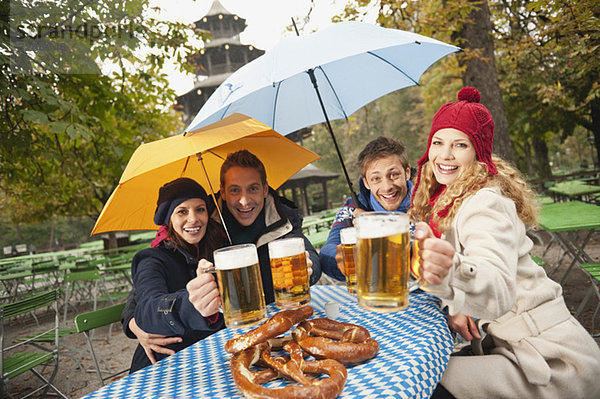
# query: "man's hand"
309 264
465 326
203 291
152 342
436 255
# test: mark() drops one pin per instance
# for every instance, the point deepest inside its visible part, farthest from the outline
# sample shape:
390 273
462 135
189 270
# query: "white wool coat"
535 347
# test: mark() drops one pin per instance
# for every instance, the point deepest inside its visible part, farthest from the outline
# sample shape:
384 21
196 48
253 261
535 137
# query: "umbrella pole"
212 192
313 79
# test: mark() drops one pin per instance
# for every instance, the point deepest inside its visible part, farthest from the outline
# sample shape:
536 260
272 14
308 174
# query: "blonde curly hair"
509 180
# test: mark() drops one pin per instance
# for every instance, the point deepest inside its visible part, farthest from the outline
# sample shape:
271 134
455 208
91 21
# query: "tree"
68 130
479 62
549 67
465 23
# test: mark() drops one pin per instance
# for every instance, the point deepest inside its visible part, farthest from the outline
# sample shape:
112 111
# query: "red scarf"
433 224
161 234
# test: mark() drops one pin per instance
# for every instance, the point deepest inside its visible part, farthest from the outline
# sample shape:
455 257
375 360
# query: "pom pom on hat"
469 94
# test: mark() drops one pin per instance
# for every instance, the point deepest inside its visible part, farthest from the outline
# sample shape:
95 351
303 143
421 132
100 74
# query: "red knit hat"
471 118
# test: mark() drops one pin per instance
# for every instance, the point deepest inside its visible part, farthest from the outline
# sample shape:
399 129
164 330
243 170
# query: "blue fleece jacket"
344 218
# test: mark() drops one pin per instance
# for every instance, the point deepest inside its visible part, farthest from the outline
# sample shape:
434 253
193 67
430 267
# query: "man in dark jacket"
253 213
384 185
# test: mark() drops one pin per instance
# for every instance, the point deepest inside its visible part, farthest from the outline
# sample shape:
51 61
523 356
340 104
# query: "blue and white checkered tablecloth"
415 345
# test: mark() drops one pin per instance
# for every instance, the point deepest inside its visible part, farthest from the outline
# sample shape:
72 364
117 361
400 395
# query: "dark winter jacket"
160 276
281 220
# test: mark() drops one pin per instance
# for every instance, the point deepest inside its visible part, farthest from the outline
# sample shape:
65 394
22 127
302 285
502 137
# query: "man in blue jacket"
384 185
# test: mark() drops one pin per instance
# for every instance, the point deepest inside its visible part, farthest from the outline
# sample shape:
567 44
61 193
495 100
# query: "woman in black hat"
174 297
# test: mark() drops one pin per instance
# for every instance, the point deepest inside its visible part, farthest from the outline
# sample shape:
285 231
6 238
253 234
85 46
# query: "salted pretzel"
273 327
249 382
354 343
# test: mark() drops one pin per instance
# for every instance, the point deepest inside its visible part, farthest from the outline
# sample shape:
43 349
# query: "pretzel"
273 327
249 382
354 344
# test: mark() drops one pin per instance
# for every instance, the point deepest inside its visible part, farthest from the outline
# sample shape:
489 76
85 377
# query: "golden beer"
289 271
382 263
240 285
348 240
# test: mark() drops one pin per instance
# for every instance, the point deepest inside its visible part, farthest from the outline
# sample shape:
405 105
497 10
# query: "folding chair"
87 322
593 271
80 286
14 360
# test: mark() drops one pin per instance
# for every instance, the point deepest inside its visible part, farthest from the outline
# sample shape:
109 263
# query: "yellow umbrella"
198 154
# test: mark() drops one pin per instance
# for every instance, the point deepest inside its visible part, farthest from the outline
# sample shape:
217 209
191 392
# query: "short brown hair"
381 147
243 159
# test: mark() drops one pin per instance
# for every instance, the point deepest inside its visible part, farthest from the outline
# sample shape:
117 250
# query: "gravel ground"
75 380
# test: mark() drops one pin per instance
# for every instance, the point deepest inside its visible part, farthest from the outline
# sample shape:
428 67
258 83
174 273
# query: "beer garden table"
564 221
415 345
574 190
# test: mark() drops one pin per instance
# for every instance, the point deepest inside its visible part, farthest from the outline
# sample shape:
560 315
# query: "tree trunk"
112 240
541 157
528 157
51 238
595 105
480 72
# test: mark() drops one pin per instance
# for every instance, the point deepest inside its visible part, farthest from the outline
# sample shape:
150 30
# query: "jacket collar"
276 220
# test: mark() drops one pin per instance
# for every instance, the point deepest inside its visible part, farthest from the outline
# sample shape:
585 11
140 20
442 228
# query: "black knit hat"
174 193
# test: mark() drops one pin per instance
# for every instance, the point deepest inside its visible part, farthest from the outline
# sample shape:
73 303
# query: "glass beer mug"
240 285
383 261
348 241
290 274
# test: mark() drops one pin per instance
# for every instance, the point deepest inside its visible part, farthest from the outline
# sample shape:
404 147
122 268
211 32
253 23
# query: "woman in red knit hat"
474 210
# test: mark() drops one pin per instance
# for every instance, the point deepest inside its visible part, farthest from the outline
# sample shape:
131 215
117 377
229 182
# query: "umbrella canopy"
132 204
323 76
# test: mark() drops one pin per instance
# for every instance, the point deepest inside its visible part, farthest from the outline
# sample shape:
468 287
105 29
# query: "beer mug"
382 263
348 240
240 285
290 274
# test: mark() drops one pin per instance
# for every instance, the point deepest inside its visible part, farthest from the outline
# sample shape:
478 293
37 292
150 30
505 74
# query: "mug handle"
415 282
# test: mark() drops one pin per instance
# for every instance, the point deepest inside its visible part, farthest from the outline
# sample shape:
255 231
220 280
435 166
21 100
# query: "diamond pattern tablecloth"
415 346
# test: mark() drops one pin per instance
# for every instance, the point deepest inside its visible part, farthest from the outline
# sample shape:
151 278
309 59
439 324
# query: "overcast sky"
266 22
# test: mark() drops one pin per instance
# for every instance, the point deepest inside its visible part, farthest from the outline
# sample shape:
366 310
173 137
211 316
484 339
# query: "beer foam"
380 225
235 257
348 235
286 247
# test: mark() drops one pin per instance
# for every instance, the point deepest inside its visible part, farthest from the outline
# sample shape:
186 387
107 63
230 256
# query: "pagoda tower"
220 57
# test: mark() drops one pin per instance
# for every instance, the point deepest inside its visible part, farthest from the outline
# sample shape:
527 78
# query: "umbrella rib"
334 92
185 166
275 103
215 154
394 66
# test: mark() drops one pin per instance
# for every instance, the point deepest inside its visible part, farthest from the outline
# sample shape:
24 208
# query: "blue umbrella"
323 76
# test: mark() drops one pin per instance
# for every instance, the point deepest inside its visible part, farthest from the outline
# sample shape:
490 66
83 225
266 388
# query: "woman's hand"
436 255
152 342
465 326
203 291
